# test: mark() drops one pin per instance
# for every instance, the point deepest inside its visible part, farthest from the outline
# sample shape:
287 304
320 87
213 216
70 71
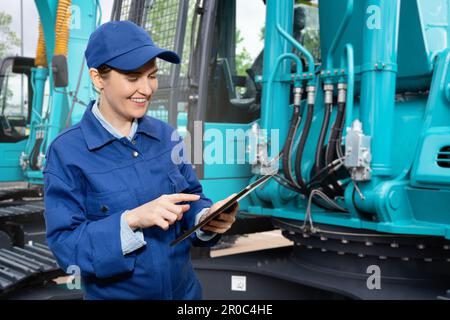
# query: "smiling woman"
111 186
124 95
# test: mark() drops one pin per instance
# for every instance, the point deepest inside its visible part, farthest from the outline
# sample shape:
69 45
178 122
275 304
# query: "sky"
250 19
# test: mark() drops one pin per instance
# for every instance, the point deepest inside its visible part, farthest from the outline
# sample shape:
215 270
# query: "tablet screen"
229 204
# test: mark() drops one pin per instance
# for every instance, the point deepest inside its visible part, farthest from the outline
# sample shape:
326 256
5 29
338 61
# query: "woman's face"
127 94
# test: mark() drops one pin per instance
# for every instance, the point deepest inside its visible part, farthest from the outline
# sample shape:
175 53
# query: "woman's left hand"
224 220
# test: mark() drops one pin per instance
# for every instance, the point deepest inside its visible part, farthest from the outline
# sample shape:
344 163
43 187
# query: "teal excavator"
349 99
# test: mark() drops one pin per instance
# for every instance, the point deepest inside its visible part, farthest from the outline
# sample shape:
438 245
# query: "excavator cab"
234 95
15 95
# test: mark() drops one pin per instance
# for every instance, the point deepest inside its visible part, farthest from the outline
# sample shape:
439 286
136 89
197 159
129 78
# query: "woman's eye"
152 76
132 79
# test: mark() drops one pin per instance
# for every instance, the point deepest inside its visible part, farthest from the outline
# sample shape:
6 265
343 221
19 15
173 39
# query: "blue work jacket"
90 179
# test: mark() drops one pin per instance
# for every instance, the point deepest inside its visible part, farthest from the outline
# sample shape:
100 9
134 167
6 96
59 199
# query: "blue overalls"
91 178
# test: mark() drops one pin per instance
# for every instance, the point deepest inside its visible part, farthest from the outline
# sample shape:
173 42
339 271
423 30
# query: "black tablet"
226 206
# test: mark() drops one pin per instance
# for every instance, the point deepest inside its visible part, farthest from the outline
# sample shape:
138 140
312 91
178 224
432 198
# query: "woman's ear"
96 79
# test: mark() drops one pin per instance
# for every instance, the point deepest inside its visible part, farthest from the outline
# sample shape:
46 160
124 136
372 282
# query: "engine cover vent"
443 157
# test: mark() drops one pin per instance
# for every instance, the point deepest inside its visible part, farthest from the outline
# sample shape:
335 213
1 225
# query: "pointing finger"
178 197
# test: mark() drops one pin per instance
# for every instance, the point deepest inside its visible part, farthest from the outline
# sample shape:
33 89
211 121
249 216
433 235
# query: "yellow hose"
41 58
61 34
62 27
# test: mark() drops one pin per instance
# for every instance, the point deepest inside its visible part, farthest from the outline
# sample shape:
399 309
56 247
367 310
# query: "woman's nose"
146 88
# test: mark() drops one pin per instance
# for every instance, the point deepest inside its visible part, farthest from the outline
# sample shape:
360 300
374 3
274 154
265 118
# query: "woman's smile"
139 102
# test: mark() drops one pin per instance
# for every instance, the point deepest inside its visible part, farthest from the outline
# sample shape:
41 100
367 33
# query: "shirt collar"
96 135
109 127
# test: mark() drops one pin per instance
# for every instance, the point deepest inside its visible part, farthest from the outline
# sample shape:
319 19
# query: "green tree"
8 38
243 57
262 33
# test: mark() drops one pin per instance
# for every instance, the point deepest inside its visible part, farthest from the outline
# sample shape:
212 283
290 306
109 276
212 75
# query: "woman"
116 193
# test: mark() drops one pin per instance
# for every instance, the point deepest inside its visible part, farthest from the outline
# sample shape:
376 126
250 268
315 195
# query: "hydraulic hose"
34 154
330 153
308 121
287 150
62 27
323 132
334 134
334 142
41 57
319 163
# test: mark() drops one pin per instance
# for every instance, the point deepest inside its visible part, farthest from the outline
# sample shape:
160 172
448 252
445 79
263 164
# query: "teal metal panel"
274 112
408 121
427 171
435 16
9 166
435 131
410 226
219 189
378 84
422 30
422 200
221 158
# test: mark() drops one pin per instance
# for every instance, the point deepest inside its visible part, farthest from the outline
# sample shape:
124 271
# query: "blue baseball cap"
125 46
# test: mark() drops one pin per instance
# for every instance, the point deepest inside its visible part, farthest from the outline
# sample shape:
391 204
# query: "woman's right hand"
161 212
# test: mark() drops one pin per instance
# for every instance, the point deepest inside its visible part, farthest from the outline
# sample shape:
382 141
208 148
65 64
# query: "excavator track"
25 259
17 209
19 193
23 266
